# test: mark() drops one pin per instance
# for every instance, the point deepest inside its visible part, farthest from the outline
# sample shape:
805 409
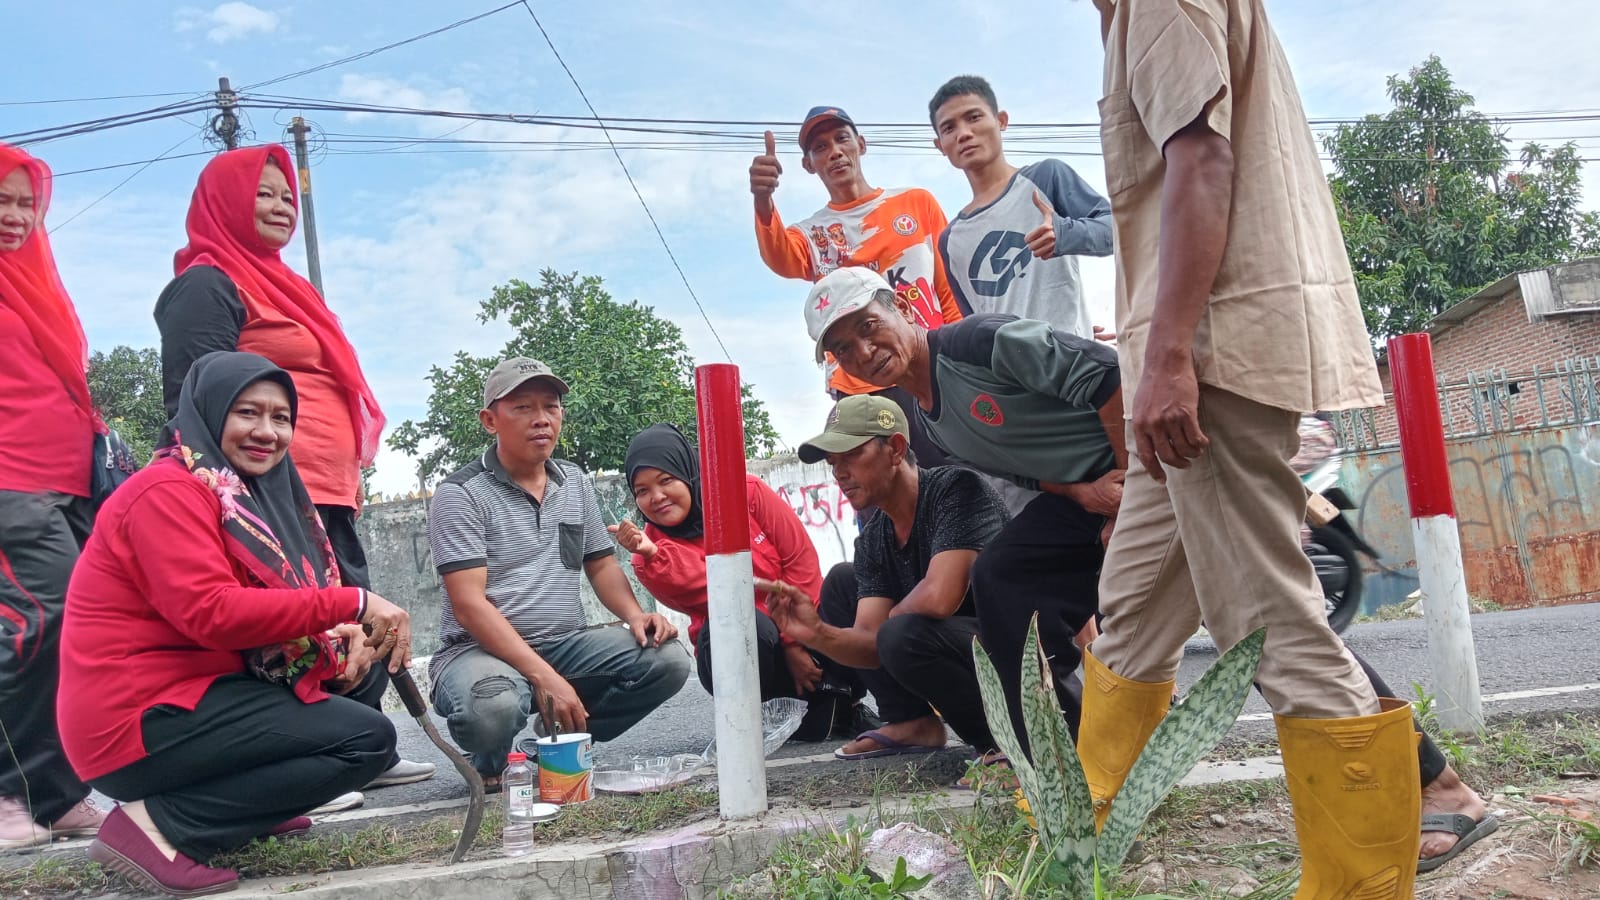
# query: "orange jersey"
891 231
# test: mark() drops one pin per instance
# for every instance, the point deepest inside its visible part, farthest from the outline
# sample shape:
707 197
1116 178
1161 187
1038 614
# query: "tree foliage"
125 385
1434 207
628 369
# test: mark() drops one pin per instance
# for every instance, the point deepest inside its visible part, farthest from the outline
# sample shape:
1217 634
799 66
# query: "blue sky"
411 241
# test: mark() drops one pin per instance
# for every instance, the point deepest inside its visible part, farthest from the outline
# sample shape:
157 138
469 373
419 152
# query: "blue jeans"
486 702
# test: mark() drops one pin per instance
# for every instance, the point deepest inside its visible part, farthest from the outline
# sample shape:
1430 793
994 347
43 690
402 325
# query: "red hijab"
31 288
222 233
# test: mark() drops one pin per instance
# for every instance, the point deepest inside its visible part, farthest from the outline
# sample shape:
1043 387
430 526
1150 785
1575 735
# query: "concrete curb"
692 863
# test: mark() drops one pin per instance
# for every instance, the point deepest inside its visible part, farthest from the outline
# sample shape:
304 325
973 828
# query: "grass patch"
607 816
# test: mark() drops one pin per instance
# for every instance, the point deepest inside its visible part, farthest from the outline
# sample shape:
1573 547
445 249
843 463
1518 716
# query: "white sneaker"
340 804
17 828
403 772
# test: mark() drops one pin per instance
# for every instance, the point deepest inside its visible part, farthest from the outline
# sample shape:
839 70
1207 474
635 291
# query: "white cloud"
229 21
380 91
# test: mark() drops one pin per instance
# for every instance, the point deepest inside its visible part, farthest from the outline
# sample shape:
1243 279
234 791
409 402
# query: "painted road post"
1437 537
741 762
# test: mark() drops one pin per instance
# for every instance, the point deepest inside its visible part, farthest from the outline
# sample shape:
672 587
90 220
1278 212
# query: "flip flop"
1006 780
1467 829
887 746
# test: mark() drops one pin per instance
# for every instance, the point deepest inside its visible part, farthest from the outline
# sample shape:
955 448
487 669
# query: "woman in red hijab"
47 427
234 292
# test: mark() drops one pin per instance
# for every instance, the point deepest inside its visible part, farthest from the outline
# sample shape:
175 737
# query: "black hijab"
268 522
664 447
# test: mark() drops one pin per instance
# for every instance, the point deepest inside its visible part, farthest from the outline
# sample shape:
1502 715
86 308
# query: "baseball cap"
817 116
840 293
511 373
852 422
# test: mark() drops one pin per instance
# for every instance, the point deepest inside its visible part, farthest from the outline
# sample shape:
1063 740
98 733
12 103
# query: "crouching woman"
206 637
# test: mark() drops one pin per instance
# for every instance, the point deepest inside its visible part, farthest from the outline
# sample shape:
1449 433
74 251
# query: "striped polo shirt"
534 550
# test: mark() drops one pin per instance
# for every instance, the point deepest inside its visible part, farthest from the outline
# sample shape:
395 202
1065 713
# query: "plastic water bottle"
518 784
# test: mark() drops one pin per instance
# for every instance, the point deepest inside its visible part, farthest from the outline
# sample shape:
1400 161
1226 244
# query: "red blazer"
156 611
779 549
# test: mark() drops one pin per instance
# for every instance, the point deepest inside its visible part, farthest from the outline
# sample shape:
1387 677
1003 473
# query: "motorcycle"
1332 543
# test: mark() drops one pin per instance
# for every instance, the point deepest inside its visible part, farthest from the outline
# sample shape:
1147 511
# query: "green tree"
628 368
126 387
1434 207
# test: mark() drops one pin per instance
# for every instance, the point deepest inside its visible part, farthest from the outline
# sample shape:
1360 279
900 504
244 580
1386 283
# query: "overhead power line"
629 175
376 50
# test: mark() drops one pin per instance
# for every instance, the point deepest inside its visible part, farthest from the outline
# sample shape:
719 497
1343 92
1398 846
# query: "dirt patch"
1239 842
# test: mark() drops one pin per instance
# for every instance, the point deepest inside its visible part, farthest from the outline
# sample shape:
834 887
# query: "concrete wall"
395 535
1528 505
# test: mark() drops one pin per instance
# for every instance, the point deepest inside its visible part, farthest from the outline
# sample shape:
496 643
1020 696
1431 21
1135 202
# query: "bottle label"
522 795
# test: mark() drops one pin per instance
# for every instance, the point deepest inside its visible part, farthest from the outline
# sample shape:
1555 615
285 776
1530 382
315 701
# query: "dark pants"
926 663
1045 561
40 536
773 665
249 756
351 557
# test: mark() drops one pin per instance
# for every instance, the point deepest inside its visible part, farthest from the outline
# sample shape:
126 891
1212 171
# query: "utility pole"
225 124
308 214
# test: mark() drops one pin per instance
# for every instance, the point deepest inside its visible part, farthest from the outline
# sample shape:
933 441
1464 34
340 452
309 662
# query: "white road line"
1488 698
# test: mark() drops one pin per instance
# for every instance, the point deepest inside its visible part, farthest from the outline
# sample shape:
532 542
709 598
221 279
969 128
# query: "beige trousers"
1220 542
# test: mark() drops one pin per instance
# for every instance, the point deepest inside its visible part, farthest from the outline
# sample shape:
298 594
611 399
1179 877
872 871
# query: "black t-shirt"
200 311
956 510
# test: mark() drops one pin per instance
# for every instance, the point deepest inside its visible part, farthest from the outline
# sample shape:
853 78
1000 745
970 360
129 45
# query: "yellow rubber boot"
1357 797
1118 717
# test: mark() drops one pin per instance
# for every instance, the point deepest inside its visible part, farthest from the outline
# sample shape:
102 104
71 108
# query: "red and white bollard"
1437 537
730 585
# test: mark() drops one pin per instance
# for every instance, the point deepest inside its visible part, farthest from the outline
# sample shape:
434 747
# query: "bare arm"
616 595
796 616
1196 201
938 595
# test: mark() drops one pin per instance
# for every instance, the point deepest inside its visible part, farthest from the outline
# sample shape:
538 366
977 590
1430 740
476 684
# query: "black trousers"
340 523
926 663
40 536
1045 561
249 756
773 666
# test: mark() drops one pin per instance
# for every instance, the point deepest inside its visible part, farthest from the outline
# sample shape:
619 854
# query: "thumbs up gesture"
1042 240
764 171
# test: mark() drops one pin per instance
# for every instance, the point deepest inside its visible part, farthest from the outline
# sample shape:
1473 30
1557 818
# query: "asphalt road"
1521 652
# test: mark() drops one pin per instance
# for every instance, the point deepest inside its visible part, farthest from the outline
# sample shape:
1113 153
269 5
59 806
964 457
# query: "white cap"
840 293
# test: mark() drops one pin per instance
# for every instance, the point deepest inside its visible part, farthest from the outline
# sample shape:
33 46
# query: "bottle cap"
514 758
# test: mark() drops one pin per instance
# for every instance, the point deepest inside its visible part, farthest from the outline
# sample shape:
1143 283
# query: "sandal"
1466 828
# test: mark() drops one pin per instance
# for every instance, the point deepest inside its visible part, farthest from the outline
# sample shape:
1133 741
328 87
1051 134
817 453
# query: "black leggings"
249 756
773 666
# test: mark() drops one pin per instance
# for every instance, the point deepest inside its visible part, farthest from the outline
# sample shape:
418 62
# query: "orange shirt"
324 440
891 231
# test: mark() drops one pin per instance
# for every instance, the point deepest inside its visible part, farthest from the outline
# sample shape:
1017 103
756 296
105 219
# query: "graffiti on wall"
1525 505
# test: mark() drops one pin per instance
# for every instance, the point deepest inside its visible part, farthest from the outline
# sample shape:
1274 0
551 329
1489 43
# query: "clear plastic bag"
642 774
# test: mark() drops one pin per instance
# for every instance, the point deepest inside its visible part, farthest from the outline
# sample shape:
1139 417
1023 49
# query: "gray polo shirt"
534 551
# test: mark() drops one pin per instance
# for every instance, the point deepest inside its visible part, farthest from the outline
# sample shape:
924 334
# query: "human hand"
803 668
388 630
1101 333
1166 417
558 704
1042 240
764 171
358 658
1102 496
1105 534
633 539
792 611
652 629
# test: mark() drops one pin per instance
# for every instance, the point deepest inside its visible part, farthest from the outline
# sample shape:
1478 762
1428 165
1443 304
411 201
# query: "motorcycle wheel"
1339 570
